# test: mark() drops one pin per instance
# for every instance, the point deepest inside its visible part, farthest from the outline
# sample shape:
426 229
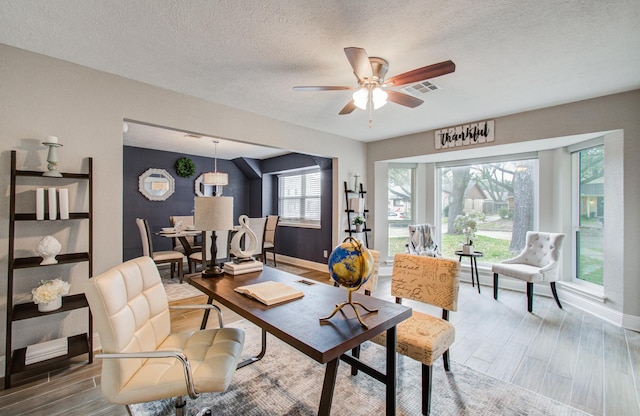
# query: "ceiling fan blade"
348 109
359 61
403 99
420 74
321 88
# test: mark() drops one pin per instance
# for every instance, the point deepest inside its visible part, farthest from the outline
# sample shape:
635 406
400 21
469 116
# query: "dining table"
182 236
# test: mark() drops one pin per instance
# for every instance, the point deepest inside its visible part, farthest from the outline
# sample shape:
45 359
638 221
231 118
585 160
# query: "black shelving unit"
78 344
360 194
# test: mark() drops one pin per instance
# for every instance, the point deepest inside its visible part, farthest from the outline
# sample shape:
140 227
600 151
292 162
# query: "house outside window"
299 195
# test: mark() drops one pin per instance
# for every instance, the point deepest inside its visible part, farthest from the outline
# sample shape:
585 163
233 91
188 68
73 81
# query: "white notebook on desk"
270 292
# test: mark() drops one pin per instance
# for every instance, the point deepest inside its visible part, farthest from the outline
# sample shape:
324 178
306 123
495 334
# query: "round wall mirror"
156 184
201 189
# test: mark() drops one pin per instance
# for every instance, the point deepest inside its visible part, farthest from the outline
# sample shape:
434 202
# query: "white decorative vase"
358 228
48 248
467 249
51 306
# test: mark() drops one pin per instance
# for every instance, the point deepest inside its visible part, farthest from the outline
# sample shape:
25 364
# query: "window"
399 206
299 195
500 195
588 214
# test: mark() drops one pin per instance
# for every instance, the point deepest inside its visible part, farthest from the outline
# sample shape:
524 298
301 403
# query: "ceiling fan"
372 89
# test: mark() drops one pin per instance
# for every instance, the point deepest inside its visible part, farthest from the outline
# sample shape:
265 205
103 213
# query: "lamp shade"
214 213
215 178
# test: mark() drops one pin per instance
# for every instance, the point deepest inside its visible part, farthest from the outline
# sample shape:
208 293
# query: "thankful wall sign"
465 135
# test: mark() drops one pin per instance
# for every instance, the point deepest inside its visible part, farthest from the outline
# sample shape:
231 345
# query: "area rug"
286 382
174 289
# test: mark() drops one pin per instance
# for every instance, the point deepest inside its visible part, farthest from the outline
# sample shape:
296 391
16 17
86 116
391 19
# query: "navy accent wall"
305 243
137 160
252 183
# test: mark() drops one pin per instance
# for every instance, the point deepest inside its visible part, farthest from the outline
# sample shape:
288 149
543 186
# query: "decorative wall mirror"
201 189
156 184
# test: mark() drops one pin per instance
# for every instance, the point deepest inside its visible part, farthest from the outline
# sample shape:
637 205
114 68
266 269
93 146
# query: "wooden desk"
297 323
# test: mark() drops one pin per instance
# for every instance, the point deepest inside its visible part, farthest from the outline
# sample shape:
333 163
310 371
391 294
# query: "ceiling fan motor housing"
379 68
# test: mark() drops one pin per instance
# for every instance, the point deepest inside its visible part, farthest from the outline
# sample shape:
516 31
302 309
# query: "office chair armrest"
204 306
186 366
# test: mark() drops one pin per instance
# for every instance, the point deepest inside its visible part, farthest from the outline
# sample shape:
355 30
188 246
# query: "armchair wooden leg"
530 296
426 389
555 294
495 286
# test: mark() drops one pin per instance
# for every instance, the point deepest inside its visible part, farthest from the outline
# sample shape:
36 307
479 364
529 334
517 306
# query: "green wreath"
185 167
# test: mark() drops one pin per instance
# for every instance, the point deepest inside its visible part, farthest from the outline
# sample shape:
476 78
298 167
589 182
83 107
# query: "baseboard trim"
321 267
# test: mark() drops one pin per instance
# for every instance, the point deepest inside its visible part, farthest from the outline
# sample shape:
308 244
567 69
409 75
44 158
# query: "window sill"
298 225
587 291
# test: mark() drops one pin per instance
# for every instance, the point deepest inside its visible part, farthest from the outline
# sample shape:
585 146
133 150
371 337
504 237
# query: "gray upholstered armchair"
538 262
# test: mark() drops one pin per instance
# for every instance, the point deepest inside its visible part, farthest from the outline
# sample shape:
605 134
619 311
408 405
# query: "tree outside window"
502 193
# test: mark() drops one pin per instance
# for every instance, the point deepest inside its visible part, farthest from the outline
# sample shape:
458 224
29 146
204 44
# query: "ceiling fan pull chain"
370 109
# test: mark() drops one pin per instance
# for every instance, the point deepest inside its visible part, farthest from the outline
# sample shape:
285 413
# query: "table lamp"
214 213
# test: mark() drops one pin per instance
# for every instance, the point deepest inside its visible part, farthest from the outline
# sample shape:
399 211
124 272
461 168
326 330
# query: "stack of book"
234 268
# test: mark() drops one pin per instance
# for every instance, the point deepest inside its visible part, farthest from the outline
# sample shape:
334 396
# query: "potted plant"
358 221
467 224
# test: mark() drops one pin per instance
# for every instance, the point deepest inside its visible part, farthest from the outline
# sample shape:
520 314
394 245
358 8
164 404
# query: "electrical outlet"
326 254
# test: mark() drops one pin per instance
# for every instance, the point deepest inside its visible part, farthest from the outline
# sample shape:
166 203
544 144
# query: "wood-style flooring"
567 355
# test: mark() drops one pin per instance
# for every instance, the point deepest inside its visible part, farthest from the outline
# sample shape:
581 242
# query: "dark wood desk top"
297 322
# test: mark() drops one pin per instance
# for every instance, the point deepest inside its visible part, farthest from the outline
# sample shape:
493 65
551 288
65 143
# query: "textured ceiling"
510 56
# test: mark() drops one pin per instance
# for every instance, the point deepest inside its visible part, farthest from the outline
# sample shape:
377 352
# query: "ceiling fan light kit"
372 90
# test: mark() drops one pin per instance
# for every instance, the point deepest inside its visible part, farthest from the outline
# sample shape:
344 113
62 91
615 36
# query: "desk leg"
258 357
205 317
328 386
475 266
391 371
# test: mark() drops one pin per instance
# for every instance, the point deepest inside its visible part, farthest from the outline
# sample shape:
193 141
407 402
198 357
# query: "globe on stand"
350 265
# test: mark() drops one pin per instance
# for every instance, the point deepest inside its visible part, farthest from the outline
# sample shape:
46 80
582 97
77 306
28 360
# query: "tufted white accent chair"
423 337
538 262
143 359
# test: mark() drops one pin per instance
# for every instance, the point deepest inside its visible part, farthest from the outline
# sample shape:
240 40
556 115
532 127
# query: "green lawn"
494 249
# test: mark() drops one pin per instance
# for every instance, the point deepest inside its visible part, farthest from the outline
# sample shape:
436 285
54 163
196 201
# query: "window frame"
300 222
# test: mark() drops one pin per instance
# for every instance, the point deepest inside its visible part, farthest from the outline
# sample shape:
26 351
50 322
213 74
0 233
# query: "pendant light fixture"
216 178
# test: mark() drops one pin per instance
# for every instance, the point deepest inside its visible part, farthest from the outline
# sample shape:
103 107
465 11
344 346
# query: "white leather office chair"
142 359
175 258
538 262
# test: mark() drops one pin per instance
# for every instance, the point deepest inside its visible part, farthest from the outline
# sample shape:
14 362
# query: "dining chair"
539 261
187 244
269 241
423 337
174 258
257 225
222 247
142 359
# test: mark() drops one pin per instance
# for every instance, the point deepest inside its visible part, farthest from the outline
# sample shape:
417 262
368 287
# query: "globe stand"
353 304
